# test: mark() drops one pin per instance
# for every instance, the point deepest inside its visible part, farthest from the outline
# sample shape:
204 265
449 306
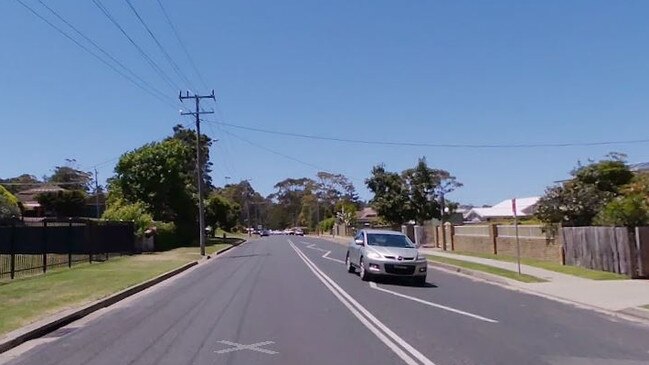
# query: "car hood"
394 251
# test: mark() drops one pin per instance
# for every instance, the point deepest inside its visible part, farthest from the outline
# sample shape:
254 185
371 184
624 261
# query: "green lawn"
29 299
219 234
553 266
485 268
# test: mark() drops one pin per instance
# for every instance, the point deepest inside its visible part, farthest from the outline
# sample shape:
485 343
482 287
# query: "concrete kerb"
50 324
636 312
474 273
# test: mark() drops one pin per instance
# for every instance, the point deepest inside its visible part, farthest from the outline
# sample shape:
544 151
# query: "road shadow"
402 282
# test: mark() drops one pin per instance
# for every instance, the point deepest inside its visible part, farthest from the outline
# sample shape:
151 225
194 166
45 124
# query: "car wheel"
419 280
365 276
348 263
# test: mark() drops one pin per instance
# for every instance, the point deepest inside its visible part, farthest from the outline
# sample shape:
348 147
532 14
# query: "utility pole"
199 171
96 194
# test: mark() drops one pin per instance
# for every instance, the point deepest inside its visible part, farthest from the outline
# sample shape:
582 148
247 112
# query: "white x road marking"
253 347
326 253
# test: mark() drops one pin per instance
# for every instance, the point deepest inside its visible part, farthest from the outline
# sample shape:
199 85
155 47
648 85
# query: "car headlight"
420 256
374 255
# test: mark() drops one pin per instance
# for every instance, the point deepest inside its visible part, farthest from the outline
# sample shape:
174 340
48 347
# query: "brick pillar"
493 235
452 234
443 229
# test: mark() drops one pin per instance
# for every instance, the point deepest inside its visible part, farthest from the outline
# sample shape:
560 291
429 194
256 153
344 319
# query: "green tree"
134 212
156 174
71 178
65 203
626 211
423 185
8 204
188 137
289 196
251 203
19 183
578 201
332 188
390 197
221 212
411 195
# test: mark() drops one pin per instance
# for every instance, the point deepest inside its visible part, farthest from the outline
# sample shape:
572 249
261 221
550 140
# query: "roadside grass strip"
32 298
552 266
486 268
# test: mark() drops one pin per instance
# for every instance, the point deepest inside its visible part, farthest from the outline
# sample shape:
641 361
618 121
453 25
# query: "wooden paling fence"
614 249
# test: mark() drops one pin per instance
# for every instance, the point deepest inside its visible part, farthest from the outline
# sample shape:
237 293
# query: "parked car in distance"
264 233
299 232
385 253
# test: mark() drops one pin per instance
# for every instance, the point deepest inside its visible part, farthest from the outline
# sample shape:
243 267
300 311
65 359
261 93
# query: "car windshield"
389 240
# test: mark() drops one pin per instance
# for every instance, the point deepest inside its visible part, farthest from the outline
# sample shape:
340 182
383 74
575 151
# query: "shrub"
327 224
66 203
130 212
166 236
8 204
627 211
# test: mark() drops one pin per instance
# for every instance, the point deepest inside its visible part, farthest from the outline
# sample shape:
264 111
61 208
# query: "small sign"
514 206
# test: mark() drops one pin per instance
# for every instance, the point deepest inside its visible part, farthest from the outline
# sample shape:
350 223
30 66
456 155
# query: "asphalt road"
288 300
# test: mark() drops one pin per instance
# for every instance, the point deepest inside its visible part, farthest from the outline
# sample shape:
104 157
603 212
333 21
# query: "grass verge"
646 306
553 266
486 268
30 299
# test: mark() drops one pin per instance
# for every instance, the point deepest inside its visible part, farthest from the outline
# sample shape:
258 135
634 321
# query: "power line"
274 152
117 157
182 45
102 50
435 145
173 64
150 61
86 49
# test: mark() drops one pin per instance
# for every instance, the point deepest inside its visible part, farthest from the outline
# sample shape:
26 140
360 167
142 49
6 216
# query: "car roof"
382 231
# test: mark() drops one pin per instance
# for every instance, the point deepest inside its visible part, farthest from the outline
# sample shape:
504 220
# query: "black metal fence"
31 248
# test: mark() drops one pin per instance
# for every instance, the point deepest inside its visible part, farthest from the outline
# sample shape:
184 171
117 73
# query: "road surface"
288 300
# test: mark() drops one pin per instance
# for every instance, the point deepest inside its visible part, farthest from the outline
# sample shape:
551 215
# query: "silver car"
389 253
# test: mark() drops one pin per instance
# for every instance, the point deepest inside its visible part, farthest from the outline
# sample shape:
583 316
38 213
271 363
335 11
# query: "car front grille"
403 258
399 269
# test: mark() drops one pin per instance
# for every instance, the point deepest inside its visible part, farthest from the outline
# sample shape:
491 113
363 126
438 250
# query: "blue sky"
468 72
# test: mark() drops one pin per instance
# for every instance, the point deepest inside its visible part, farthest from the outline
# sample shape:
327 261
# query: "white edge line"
355 308
373 285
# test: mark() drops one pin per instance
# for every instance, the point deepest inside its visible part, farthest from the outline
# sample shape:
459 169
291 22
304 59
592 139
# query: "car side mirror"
359 242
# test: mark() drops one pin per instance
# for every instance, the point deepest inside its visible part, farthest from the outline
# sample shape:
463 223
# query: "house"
32 208
525 207
367 217
28 199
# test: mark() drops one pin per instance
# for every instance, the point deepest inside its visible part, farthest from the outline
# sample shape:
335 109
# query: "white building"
525 207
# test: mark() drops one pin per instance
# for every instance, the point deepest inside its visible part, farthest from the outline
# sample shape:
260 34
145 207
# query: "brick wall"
532 244
478 244
534 248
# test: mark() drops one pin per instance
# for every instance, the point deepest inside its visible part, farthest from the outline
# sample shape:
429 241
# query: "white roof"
524 208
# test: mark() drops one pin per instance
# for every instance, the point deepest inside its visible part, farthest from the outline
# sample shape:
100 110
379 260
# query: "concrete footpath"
624 296
613 295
